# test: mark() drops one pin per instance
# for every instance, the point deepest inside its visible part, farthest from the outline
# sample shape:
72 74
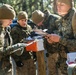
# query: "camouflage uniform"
50 24
66 44
4 43
5 50
19 34
68 39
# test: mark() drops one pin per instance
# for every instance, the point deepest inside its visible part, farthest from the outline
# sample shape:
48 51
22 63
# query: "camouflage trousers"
29 68
4 70
52 65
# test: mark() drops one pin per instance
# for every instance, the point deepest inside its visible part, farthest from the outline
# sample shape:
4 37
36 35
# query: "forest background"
30 5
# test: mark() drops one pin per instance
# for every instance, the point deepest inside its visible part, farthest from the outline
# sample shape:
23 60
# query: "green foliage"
30 5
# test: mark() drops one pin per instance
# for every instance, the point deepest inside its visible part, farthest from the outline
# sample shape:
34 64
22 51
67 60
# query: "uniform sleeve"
69 43
51 23
10 49
15 35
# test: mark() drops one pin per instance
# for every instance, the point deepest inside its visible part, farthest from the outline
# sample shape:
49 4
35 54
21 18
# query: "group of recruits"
60 40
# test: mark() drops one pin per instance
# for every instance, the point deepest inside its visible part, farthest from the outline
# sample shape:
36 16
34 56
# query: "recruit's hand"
51 38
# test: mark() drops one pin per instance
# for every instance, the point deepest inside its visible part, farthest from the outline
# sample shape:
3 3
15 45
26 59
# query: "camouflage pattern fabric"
27 69
5 41
50 23
19 34
65 30
67 43
5 49
52 68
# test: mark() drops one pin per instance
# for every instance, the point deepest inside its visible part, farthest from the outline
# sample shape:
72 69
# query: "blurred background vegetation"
30 5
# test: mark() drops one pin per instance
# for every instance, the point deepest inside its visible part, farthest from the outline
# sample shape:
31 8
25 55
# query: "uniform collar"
68 14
